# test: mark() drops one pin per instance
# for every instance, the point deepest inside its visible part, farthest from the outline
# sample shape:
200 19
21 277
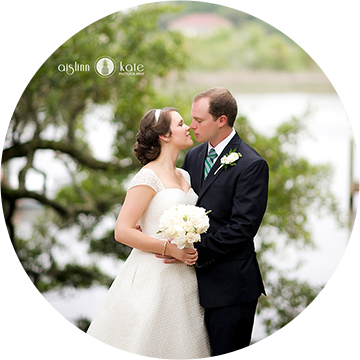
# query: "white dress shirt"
222 145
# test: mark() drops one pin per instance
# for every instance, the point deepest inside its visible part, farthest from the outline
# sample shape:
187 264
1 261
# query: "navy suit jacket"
227 269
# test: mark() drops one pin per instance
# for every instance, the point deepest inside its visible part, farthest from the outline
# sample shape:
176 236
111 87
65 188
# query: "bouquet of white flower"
183 224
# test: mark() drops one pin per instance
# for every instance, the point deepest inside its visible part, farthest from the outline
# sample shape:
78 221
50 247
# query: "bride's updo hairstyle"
147 147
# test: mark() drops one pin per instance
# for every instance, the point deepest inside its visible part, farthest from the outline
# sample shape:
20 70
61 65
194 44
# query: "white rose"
225 160
188 227
233 157
202 226
167 233
197 238
193 221
179 240
190 238
177 230
164 223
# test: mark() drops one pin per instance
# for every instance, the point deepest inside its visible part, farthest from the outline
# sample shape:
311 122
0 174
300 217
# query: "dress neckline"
171 188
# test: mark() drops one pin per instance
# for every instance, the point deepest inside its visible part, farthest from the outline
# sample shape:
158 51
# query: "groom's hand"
167 259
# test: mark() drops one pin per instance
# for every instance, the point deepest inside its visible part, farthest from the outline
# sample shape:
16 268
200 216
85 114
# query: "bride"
152 309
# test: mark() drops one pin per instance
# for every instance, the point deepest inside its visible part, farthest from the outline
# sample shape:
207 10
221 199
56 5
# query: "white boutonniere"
229 160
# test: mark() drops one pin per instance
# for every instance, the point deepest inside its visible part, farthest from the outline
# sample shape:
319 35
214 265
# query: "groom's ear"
222 120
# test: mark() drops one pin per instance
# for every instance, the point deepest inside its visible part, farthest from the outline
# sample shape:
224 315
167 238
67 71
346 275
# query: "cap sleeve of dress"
146 177
186 175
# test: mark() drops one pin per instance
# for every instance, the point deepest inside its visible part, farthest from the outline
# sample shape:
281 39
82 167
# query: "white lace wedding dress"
152 309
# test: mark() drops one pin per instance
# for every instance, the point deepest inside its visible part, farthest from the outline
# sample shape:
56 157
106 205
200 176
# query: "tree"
249 47
295 187
51 117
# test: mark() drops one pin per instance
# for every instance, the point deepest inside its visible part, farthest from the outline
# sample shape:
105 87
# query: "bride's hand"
167 259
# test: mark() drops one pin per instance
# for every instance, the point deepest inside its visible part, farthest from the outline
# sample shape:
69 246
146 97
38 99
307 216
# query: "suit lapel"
234 143
199 170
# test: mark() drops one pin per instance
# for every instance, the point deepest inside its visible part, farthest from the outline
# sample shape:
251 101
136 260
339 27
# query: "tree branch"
13 194
20 150
44 175
28 165
70 212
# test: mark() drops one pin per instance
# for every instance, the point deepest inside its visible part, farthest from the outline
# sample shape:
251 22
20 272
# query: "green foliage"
287 298
51 116
295 189
248 47
39 256
107 246
83 323
295 185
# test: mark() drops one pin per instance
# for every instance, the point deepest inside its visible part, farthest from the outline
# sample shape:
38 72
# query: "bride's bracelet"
164 248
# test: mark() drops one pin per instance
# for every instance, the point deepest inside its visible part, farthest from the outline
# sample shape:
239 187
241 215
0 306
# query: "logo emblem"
105 66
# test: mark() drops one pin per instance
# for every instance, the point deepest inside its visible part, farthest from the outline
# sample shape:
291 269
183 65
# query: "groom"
228 274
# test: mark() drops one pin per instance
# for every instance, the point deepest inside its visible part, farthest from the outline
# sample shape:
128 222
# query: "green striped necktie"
209 162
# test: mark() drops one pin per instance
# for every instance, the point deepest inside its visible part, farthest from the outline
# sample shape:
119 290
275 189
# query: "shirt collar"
222 145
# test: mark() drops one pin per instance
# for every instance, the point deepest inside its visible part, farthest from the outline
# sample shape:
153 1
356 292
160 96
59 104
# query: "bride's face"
180 135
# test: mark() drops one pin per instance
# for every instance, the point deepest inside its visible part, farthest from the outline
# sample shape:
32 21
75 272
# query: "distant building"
199 24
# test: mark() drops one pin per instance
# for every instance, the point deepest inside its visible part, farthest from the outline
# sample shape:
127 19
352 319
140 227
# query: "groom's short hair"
221 102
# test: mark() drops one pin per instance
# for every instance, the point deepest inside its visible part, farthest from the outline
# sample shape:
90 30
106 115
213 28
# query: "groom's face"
203 124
